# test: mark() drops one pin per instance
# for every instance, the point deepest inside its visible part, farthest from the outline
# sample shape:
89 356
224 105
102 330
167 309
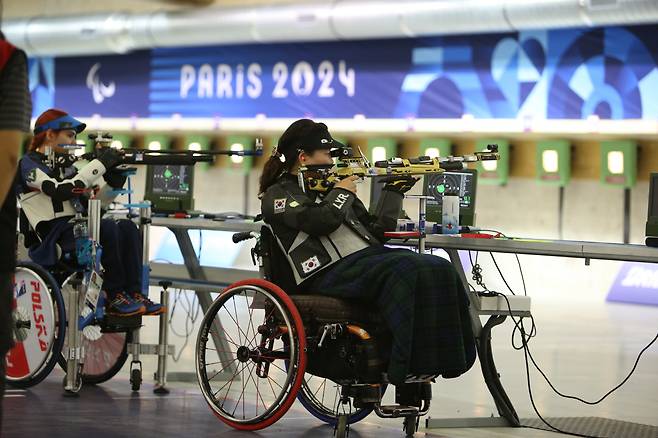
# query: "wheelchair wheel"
39 329
105 353
321 397
244 378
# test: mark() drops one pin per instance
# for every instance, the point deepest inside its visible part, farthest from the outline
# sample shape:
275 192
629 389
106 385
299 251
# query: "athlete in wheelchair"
51 195
52 186
338 312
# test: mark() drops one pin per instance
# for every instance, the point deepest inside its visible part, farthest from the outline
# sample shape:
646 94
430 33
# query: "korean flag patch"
310 265
279 205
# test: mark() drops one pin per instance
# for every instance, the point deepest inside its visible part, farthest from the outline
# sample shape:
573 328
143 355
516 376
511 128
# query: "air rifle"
322 178
155 157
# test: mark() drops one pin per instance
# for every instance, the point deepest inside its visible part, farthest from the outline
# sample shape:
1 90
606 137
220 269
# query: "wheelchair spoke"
228 337
252 342
275 382
272 387
322 386
229 383
244 384
237 404
279 368
240 331
225 366
251 323
234 320
230 352
258 394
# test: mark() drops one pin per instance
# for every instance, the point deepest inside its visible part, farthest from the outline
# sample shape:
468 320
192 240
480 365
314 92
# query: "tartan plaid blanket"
422 300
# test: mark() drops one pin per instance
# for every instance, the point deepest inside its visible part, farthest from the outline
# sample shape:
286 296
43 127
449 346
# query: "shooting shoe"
123 305
151 307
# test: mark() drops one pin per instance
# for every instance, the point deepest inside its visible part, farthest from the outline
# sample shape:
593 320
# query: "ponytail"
273 168
288 148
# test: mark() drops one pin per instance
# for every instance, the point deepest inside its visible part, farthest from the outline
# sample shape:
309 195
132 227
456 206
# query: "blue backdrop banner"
571 73
635 283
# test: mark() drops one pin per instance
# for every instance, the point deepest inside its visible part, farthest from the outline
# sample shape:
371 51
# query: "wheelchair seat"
325 309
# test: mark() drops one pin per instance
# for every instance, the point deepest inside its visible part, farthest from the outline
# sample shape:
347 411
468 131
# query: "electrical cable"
502 277
525 339
637 360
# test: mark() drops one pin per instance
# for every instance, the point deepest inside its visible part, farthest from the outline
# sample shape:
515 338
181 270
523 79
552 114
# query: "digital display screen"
462 183
173 180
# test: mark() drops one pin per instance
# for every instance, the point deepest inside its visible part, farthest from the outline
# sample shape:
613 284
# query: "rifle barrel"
255 152
164 159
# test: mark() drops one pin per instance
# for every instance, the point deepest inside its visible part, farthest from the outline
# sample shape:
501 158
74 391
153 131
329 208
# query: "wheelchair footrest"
114 324
394 411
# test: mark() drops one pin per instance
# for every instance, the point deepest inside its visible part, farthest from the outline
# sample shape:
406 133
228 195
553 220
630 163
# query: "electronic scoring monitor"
462 182
170 187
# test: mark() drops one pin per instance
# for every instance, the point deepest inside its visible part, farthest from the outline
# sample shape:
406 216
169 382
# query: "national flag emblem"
21 290
310 265
279 205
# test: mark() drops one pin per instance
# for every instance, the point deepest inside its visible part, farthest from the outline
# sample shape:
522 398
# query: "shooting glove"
110 157
400 184
115 178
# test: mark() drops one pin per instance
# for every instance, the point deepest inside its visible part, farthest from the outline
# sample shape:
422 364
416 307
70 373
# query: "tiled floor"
586 349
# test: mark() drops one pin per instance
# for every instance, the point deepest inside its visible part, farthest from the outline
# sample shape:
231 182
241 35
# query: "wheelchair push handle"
245 235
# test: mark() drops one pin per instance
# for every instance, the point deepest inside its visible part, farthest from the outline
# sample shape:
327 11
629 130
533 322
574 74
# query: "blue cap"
61 123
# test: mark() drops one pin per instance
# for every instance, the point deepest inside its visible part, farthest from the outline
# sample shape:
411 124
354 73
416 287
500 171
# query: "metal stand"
73 380
627 215
76 299
135 363
162 349
508 416
163 337
422 212
195 271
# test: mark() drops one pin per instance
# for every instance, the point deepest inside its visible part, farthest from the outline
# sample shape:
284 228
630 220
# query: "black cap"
318 137
305 135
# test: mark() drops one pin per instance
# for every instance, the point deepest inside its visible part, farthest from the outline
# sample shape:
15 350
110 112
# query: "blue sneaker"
151 307
123 305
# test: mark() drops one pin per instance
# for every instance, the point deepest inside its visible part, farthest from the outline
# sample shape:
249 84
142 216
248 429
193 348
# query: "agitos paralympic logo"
99 90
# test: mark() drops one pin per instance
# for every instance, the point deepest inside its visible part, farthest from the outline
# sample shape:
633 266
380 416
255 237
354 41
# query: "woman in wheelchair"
335 247
51 193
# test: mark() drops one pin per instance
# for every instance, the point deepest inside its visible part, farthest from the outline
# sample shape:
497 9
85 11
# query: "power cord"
525 339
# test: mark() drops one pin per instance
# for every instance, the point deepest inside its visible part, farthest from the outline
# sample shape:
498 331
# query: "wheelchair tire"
105 353
40 304
266 329
308 397
105 368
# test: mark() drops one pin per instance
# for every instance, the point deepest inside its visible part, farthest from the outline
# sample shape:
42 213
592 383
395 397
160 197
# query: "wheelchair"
40 328
261 345
89 345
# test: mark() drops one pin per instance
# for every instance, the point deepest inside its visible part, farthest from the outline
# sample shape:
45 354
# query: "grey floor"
585 349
